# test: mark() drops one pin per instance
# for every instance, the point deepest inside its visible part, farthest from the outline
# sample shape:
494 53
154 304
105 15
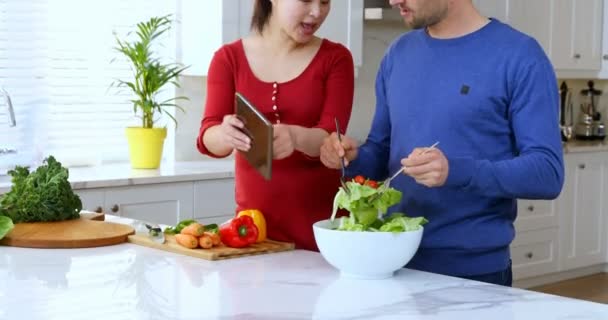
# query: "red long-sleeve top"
301 190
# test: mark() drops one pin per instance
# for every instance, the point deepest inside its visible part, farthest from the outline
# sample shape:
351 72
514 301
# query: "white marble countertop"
132 282
115 175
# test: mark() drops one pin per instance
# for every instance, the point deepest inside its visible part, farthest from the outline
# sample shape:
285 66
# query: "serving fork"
342 162
386 183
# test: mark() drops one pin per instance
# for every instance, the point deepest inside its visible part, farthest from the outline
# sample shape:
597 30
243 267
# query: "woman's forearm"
213 142
308 140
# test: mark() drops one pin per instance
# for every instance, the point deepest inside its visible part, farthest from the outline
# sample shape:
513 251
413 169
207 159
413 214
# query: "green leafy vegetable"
367 205
214 228
42 195
6 225
178 228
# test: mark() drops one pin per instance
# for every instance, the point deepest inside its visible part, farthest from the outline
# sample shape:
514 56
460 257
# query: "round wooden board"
78 233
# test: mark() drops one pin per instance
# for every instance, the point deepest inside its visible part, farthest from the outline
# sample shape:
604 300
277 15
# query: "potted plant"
150 75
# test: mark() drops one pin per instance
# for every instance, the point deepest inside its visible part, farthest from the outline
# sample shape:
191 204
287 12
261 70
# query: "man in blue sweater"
488 93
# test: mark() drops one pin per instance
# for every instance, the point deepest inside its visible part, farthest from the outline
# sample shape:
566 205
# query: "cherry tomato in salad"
372 183
359 179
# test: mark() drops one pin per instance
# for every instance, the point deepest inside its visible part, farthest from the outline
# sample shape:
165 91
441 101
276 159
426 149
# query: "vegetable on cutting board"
192 234
186 240
258 220
239 232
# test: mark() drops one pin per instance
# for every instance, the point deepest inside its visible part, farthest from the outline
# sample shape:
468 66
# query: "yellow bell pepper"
258 220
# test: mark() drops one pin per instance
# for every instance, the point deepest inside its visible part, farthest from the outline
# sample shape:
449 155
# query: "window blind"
57 61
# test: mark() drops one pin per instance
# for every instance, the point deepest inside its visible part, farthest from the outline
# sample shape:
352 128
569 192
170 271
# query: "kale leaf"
42 195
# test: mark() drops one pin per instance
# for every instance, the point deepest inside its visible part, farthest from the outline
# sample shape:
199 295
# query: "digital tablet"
259 130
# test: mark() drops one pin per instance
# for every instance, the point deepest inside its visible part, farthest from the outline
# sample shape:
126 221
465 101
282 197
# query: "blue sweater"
490 98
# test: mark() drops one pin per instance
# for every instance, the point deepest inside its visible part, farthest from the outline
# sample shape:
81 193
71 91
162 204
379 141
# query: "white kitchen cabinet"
583 209
163 203
534 250
92 199
214 198
534 18
536 214
535 253
577 34
209 201
573 33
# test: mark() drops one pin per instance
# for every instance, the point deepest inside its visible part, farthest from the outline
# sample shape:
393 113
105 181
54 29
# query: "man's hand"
283 144
332 150
428 168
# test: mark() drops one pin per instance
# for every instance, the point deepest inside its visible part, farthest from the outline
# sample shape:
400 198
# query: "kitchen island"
127 281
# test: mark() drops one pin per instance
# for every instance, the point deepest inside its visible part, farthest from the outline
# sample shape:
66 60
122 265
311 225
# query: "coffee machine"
590 125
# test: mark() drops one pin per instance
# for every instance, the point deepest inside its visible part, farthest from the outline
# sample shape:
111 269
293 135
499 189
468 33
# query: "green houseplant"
150 75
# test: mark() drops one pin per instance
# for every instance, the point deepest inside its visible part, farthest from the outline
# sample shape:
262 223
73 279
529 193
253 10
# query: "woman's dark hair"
261 14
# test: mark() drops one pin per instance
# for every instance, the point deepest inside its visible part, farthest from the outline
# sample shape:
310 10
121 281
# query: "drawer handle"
531 208
605 57
115 208
99 210
581 166
577 56
529 255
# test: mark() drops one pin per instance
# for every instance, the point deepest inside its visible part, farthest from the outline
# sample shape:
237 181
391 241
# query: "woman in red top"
301 83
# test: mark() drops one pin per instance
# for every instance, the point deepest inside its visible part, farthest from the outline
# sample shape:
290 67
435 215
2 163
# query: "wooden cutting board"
215 253
89 231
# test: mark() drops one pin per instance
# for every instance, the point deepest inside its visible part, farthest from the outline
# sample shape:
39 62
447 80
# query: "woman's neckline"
304 71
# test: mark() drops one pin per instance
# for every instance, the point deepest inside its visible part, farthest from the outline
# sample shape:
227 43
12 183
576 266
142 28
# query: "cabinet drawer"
535 214
534 253
213 198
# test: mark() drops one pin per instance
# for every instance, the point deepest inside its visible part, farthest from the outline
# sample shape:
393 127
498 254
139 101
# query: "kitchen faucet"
11 119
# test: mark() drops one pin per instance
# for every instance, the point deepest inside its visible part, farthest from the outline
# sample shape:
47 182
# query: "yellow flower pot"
146 146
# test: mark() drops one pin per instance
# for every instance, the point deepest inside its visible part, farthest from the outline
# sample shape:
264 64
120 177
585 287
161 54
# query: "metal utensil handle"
403 167
342 162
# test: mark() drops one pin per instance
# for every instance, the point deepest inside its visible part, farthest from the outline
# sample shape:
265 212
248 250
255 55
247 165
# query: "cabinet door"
582 209
214 198
536 214
533 18
92 199
577 34
165 203
535 253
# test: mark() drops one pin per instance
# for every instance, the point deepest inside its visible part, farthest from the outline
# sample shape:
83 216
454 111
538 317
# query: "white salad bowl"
365 254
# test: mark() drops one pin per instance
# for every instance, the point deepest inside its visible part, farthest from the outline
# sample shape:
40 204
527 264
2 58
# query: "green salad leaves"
42 195
367 204
6 225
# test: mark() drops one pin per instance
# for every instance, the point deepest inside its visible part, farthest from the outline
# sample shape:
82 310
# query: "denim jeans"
503 278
